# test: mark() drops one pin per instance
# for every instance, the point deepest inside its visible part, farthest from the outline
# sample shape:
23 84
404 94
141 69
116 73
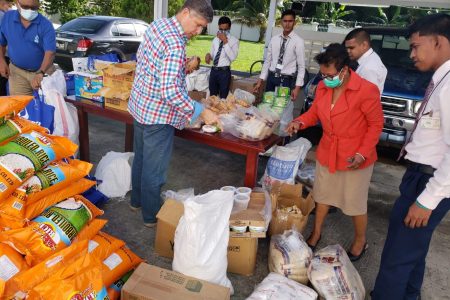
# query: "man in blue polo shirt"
31 43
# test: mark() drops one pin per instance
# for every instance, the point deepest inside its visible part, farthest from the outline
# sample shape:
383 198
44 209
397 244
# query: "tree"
252 13
69 9
174 6
138 9
332 12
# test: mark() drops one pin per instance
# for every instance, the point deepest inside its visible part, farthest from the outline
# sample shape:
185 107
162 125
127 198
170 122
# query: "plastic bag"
115 288
118 264
103 245
30 278
90 230
278 287
201 237
28 153
286 118
11 263
251 124
57 175
289 255
15 126
53 230
10 106
114 170
39 111
333 275
284 163
181 195
244 95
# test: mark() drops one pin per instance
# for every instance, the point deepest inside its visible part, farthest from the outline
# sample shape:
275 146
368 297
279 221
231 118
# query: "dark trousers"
273 82
403 260
219 82
4 82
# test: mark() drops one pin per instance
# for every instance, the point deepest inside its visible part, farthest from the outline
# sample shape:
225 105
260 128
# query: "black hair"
435 24
288 12
225 20
201 7
333 54
359 34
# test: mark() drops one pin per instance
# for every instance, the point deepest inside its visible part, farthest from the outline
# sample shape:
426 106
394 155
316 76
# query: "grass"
249 52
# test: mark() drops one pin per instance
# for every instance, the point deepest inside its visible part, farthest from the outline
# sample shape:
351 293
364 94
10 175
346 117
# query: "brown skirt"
347 190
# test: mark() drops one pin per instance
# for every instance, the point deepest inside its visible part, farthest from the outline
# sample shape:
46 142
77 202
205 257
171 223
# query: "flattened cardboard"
153 283
287 195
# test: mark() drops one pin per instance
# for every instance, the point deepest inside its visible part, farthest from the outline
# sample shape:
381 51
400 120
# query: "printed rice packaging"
103 245
11 263
11 106
12 128
118 264
115 288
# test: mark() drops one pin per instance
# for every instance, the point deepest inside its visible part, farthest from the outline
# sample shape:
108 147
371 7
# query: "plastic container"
240 202
244 190
256 229
239 229
228 188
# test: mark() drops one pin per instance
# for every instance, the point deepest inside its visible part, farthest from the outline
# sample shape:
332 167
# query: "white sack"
201 237
114 169
278 287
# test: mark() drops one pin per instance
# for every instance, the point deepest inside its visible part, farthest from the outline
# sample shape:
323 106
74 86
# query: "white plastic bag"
198 80
278 287
244 95
114 169
289 255
284 163
333 275
181 195
66 117
201 237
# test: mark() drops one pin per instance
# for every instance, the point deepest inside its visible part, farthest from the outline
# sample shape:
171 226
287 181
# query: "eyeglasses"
330 77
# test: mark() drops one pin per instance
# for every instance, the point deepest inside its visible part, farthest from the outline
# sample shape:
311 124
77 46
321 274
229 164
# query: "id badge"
279 67
430 122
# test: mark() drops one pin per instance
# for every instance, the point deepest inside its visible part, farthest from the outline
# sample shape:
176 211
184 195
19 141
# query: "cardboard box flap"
249 217
171 212
307 205
109 92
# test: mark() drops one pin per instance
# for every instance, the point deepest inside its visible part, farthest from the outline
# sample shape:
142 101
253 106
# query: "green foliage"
174 6
69 9
332 12
138 9
251 13
221 4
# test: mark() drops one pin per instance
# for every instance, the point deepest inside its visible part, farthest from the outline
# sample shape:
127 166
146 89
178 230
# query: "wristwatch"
40 72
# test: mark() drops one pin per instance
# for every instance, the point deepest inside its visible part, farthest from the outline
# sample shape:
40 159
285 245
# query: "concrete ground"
206 168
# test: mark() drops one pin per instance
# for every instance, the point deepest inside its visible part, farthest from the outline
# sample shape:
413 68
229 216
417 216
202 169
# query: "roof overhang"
406 3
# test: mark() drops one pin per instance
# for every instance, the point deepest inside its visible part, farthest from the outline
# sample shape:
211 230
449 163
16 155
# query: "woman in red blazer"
349 110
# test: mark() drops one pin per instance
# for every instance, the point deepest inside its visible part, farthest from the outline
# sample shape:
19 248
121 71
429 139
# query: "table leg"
129 131
84 134
251 169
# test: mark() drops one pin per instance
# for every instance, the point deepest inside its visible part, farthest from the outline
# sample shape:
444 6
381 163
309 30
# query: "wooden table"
223 141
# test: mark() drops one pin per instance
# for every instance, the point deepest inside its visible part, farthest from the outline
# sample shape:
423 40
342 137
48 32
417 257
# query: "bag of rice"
26 280
80 280
289 255
57 175
12 128
91 230
103 245
333 275
53 230
284 163
118 264
11 263
278 287
28 153
115 288
12 105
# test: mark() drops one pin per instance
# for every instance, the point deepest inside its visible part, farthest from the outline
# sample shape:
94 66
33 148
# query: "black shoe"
313 247
357 257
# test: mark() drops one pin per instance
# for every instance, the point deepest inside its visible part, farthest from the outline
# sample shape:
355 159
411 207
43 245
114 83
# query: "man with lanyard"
159 102
285 62
224 50
368 64
31 42
425 189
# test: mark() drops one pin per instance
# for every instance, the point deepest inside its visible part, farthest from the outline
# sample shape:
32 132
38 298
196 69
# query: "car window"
140 29
126 29
83 25
114 30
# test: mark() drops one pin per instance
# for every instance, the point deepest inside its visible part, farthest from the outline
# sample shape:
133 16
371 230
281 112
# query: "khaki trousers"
20 80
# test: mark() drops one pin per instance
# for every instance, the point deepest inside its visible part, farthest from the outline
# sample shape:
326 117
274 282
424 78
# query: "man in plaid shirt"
159 102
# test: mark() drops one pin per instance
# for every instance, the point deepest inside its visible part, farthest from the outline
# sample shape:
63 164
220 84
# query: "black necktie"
217 57
282 50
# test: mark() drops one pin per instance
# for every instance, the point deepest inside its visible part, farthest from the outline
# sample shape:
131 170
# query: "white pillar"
270 25
160 9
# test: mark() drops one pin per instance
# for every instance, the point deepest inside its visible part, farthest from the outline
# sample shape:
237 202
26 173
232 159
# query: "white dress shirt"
371 68
431 146
229 52
294 55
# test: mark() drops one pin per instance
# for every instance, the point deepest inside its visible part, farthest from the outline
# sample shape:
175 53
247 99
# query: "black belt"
278 75
426 169
32 71
227 68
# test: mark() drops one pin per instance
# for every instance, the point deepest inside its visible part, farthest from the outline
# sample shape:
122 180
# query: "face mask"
333 83
226 32
28 14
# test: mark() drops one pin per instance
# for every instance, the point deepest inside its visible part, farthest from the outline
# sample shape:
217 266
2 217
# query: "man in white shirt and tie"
285 60
425 189
370 66
224 50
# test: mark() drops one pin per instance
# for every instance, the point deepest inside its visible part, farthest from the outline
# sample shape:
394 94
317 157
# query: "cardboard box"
115 98
152 283
242 255
250 217
241 251
119 76
88 86
287 195
197 95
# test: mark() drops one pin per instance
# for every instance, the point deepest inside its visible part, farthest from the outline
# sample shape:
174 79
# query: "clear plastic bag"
244 95
180 195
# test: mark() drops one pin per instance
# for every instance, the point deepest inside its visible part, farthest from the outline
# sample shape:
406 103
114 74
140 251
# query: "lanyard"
432 91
